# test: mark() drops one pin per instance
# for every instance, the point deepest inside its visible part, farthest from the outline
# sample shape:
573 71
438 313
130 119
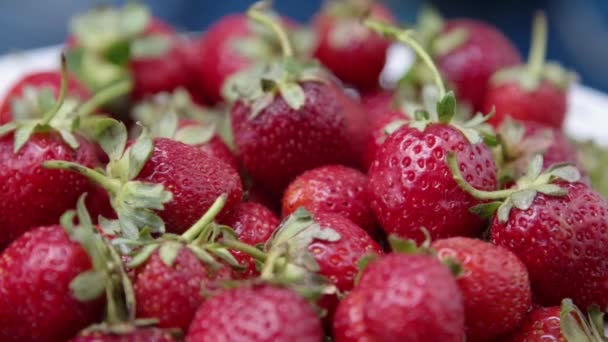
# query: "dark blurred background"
578 28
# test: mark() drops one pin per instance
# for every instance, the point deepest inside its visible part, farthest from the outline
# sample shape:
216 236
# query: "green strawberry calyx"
522 195
135 202
199 239
43 113
576 327
161 115
444 111
258 85
530 75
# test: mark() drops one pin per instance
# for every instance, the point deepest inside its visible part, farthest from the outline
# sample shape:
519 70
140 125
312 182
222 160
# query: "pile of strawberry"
256 184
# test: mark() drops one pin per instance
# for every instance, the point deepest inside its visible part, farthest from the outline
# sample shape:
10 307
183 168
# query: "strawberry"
21 100
233 44
521 140
345 45
494 285
174 273
561 325
176 180
402 297
335 189
556 226
51 280
253 224
378 104
32 196
135 335
468 52
535 91
260 313
379 130
175 116
111 44
293 121
410 183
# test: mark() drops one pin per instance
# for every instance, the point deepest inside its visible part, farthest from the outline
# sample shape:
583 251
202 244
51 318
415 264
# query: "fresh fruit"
333 189
253 224
45 282
522 140
468 52
379 130
262 313
535 91
175 180
30 195
345 45
175 116
293 120
403 298
410 183
111 44
556 226
561 325
22 100
494 283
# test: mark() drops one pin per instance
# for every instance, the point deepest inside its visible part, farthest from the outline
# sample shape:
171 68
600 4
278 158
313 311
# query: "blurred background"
578 29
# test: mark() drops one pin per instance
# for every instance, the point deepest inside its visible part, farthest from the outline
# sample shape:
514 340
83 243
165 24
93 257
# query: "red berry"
31 196
345 45
215 146
349 323
137 335
407 298
542 324
412 186
253 224
36 302
561 241
334 189
172 294
38 81
279 143
469 66
494 285
377 134
195 179
261 313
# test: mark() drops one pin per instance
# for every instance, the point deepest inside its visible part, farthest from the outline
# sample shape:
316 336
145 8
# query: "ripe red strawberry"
262 313
126 43
174 115
36 302
563 324
494 285
468 52
137 335
410 183
535 91
403 298
253 224
334 189
173 275
191 52
378 104
556 226
22 95
345 45
175 180
294 123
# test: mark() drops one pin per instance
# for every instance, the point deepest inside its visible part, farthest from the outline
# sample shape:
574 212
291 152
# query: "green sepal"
150 46
203 255
399 245
446 108
112 137
168 252
142 256
485 210
195 134
88 285
576 327
593 159
449 41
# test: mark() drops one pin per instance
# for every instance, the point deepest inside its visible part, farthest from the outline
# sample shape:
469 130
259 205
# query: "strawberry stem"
112 186
48 116
480 194
538 49
245 248
405 36
205 220
104 96
256 12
